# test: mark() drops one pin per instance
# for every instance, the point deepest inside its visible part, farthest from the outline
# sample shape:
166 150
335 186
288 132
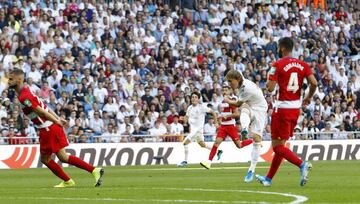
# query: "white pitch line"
198 168
126 199
298 198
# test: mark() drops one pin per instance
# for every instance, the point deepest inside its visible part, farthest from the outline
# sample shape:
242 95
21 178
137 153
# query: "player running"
228 114
289 73
253 112
51 132
196 116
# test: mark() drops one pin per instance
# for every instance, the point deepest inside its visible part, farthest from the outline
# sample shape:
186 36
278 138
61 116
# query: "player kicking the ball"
289 73
253 113
228 114
51 132
196 116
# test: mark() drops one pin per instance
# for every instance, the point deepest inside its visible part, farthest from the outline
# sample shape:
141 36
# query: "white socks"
245 118
255 155
186 147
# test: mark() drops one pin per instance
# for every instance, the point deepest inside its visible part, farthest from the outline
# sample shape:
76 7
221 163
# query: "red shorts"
225 130
52 139
283 123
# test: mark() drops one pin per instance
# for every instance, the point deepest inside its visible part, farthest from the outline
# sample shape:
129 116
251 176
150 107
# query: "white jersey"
196 116
252 95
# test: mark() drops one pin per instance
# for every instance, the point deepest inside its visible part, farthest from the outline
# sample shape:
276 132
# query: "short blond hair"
234 74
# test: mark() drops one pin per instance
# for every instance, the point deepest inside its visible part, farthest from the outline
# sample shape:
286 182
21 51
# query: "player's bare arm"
270 85
237 103
43 113
62 120
214 116
235 114
313 84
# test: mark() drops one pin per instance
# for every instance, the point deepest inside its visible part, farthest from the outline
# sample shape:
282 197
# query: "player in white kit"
252 115
196 116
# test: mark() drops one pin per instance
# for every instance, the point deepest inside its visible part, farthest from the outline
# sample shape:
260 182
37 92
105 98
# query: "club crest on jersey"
27 103
272 70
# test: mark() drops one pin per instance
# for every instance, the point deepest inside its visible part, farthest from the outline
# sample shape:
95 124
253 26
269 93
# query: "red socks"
213 152
275 164
57 170
80 164
245 143
282 151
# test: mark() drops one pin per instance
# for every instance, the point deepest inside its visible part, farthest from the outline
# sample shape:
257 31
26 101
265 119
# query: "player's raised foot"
182 164
265 181
219 153
205 164
249 177
66 184
244 133
98 174
305 169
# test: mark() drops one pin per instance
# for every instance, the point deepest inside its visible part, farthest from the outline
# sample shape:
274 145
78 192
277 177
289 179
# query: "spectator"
156 132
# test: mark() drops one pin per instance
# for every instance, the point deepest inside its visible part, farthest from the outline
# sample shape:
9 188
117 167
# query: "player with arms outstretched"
228 114
51 133
253 113
196 116
289 74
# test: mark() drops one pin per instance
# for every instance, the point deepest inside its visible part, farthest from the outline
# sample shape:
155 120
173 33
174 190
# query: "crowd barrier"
120 154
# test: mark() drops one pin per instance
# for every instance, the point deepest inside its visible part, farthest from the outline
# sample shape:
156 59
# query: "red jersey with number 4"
29 101
289 73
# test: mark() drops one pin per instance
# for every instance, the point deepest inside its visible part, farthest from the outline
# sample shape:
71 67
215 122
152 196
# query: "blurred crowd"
117 70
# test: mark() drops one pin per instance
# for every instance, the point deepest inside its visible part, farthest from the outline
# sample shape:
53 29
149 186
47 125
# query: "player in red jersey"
51 133
228 114
288 73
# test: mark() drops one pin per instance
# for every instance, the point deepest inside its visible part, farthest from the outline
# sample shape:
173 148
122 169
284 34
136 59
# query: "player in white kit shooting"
252 115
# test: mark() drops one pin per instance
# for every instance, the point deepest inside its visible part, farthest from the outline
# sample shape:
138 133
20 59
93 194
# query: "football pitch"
330 182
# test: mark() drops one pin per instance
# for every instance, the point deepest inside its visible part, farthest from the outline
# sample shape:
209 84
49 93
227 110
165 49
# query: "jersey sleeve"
28 99
307 70
188 111
273 73
206 109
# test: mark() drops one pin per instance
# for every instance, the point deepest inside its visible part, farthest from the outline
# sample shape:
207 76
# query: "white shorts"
195 136
258 121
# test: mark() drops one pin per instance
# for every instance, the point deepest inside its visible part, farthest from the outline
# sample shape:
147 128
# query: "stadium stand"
119 70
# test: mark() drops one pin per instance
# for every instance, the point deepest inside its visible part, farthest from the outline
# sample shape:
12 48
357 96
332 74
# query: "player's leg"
277 159
57 170
283 152
214 150
282 127
255 154
75 161
233 133
199 136
245 119
257 127
220 136
59 150
47 145
186 143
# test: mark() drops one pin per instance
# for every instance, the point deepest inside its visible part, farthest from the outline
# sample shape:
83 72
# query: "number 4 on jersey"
293 84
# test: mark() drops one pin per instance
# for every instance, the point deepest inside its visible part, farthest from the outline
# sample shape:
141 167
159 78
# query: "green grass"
330 182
